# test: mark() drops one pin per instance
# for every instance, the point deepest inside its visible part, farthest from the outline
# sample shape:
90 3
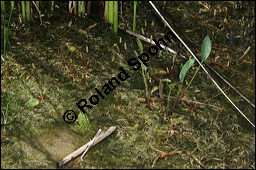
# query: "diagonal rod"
166 23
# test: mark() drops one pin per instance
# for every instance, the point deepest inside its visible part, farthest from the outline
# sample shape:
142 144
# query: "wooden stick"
79 151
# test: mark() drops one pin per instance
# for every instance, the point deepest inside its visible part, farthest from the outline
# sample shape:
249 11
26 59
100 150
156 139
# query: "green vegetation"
205 52
185 69
32 102
201 132
115 17
6 29
143 72
134 16
82 124
112 14
10 97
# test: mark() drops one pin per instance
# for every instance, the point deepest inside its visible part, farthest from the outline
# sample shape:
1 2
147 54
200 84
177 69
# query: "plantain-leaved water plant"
205 52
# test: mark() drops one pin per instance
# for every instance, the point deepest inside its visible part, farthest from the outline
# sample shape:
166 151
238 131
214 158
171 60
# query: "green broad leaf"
185 68
206 48
32 102
155 88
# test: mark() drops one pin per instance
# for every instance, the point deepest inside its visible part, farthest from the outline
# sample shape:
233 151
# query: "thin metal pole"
166 23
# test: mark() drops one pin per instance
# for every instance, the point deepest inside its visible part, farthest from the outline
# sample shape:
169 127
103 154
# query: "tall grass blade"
28 13
115 17
2 5
23 10
134 15
12 4
111 12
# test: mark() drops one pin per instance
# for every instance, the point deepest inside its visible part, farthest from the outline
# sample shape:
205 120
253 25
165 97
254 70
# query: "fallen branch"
79 151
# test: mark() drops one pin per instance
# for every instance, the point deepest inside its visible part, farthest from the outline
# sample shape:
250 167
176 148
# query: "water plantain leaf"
206 48
32 102
185 68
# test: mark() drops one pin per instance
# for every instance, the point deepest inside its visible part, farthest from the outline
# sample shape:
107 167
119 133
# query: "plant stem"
23 10
146 86
115 17
194 74
3 5
28 14
110 12
134 15
178 97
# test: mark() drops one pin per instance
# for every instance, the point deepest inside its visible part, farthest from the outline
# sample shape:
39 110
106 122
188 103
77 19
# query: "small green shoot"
169 94
161 86
171 86
205 52
143 70
134 15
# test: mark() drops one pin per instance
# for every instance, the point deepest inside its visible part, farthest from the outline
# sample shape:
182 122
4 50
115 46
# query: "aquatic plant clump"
83 123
